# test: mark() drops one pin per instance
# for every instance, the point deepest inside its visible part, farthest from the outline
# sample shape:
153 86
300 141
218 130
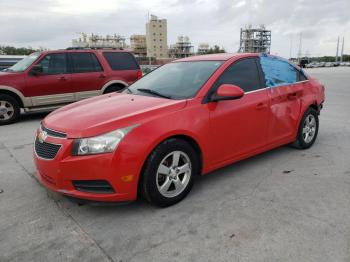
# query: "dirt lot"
283 205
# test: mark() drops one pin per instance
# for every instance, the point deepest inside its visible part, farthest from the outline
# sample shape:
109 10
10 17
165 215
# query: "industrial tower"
255 40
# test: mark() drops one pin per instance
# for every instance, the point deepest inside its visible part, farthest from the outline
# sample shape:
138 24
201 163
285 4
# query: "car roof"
85 50
216 57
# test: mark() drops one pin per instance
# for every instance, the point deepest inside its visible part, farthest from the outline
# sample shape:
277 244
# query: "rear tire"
308 130
9 110
169 172
113 89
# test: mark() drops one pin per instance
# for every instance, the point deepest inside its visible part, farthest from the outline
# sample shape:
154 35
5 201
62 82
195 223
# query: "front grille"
53 133
93 186
46 150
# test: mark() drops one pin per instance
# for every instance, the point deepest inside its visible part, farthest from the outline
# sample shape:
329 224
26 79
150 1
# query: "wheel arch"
14 93
312 105
186 137
111 83
315 106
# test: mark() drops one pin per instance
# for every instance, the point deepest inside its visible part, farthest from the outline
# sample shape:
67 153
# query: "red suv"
185 118
50 79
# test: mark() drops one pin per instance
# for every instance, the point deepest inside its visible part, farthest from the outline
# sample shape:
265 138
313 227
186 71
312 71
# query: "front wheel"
169 172
308 130
9 109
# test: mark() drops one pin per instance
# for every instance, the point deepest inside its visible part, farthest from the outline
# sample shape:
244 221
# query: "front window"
178 80
22 65
54 64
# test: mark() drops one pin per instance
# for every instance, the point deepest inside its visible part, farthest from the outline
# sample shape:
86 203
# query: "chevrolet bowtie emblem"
42 136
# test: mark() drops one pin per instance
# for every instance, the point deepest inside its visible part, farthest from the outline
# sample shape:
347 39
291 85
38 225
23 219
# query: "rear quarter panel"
127 76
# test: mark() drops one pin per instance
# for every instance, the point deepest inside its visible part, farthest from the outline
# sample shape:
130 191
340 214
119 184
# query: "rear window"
85 62
121 61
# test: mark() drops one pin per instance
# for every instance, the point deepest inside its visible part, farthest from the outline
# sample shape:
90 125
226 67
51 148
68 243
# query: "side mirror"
227 92
36 70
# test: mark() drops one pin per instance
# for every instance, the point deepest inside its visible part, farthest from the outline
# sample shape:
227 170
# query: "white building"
157 38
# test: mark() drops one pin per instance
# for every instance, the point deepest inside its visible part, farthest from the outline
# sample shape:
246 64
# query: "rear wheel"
308 130
169 172
9 109
114 88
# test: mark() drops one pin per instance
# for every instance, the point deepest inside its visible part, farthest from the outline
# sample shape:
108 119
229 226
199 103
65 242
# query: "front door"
238 127
53 85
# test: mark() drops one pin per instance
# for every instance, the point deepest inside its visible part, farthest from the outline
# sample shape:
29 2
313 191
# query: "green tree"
11 50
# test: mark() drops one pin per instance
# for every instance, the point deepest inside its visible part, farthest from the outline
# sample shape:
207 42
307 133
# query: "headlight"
105 143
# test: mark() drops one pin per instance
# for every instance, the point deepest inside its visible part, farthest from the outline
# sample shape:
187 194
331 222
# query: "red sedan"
186 118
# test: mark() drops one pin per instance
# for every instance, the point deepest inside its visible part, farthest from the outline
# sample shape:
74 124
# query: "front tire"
9 110
308 130
169 172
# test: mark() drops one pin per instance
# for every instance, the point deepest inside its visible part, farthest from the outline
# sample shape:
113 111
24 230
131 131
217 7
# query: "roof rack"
93 48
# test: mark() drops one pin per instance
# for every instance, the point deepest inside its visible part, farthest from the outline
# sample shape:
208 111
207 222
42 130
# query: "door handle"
62 78
292 96
102 76
261 106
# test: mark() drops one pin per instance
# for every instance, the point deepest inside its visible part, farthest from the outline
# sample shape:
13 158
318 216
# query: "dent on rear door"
285 93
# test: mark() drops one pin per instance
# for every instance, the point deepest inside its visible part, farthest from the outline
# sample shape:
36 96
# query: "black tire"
114 88
301 142
12 107
149 181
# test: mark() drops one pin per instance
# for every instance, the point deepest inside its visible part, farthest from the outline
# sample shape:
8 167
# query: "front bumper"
120 170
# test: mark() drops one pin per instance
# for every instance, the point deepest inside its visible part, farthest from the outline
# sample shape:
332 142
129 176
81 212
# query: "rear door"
88 77
53 85
285 91
238 127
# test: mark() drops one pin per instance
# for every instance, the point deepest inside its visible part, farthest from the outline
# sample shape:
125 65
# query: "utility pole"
300 47
336 55
342 51
291 47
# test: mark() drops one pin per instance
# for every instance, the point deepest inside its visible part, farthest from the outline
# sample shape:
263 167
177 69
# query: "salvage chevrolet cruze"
184 119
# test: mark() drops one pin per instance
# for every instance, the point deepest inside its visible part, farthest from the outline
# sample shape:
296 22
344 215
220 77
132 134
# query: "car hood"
102 114
10 78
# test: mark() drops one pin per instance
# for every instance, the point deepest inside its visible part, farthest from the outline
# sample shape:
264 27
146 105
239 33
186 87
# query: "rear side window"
85 62
277 71
121 61
243 73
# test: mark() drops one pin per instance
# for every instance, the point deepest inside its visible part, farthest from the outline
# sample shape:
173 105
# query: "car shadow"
216 178
33 116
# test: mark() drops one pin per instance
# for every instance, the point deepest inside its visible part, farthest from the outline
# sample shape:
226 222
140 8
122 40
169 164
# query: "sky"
54 23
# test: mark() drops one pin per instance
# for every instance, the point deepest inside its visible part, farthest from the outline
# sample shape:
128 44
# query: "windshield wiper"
152 92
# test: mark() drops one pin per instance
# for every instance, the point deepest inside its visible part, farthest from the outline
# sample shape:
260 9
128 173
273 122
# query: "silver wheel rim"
309 128
173 174
6 110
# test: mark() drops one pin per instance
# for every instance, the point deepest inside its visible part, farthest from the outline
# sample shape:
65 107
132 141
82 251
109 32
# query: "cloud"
53 24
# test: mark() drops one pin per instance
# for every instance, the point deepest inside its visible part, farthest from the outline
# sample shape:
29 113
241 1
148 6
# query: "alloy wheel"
173 174
309 128
6 110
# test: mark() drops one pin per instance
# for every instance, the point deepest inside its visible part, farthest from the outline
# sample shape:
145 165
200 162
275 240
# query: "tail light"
139 74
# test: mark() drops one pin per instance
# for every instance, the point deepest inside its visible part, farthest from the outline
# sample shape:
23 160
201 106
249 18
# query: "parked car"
50 79
184 119
9 60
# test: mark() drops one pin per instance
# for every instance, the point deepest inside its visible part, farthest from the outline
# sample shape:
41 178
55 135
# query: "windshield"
23 64
178 80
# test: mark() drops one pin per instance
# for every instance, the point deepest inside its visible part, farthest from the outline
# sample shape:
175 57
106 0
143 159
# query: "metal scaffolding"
182 48
255 40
